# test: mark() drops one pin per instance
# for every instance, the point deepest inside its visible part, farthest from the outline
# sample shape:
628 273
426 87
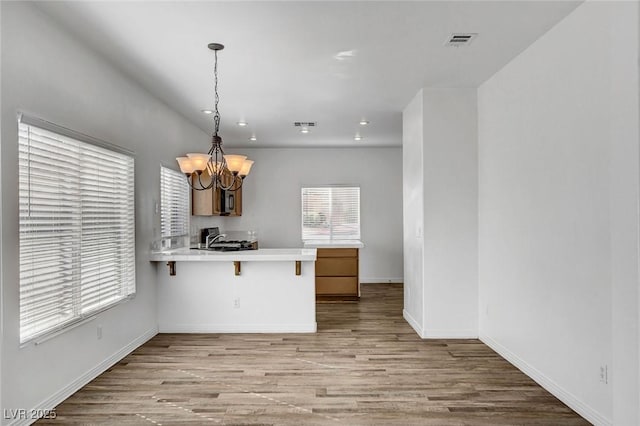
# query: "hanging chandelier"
220 170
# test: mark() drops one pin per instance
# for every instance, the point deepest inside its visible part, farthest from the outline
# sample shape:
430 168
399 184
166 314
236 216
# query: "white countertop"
333 244
260 255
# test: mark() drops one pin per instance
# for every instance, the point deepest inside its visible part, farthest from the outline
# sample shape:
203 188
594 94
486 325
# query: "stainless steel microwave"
227 201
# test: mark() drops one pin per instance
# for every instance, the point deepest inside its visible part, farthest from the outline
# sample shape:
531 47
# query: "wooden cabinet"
337 273
215 202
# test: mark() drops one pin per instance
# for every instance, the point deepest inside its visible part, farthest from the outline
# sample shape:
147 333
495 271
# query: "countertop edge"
260 255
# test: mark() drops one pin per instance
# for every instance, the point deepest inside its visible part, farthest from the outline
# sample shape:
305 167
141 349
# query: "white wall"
441 213
450 156
51 75
624 139
271 203
413 212
1 298
558 218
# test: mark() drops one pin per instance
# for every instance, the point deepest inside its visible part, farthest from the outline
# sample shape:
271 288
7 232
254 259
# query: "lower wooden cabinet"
337 273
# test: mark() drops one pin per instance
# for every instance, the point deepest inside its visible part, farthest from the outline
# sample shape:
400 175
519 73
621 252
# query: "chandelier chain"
220 177
216 117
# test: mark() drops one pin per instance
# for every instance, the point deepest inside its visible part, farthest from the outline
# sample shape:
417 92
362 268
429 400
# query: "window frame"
332 235
97 290
177 179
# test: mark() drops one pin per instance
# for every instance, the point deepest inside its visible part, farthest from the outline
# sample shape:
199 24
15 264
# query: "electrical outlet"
604 374
236 303
99 332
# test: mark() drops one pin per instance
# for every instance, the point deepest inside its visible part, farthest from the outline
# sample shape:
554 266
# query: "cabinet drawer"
337 267
337 286
337 252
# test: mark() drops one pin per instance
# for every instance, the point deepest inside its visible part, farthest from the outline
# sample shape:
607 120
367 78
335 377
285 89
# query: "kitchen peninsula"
256 291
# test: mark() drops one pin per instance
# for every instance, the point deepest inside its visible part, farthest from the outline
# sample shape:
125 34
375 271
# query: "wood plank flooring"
365 366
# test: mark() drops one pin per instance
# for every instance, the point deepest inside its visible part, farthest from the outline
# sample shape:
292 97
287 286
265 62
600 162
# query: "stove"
233 245
221 243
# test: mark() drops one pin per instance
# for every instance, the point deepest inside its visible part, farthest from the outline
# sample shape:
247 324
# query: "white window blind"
77 230
174 203
331 213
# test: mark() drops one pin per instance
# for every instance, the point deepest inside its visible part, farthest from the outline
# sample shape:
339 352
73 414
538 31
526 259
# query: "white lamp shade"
186 165
198 160
246 167
235 162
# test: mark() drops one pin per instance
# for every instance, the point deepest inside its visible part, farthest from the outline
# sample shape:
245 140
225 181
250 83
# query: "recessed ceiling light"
253 139
304 130
364 122
357 138
242 123
207 111
345 54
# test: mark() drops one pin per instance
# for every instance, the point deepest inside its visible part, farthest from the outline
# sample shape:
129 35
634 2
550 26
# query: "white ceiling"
282 62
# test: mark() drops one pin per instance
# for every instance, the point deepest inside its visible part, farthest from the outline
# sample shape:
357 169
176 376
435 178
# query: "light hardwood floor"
365 366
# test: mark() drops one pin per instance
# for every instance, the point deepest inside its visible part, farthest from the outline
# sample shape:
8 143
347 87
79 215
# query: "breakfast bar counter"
253 291
260 255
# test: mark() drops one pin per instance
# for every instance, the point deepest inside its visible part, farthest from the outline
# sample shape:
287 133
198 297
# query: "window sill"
42 338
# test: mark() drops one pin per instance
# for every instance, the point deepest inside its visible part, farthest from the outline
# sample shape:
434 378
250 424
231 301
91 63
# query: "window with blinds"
77 229
331 213
174 203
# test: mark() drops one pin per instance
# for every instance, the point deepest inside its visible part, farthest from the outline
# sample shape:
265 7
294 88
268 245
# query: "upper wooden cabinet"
215 202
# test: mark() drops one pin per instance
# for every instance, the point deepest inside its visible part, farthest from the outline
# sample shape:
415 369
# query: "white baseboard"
558 391
365 280
449 334
50 403
438 334
239 328
412 322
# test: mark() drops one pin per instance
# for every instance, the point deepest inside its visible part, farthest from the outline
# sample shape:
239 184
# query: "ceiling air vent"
460 39
305 123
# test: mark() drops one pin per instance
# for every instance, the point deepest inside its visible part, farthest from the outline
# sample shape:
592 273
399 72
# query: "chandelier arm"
238 179
224 188
189 181
231 187
202 186
191 185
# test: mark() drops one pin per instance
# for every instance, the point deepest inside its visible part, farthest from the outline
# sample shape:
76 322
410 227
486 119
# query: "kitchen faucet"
212 239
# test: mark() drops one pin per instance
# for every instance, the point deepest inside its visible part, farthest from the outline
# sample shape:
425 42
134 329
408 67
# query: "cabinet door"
209 202
337 286
336 267
202 202
337 273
